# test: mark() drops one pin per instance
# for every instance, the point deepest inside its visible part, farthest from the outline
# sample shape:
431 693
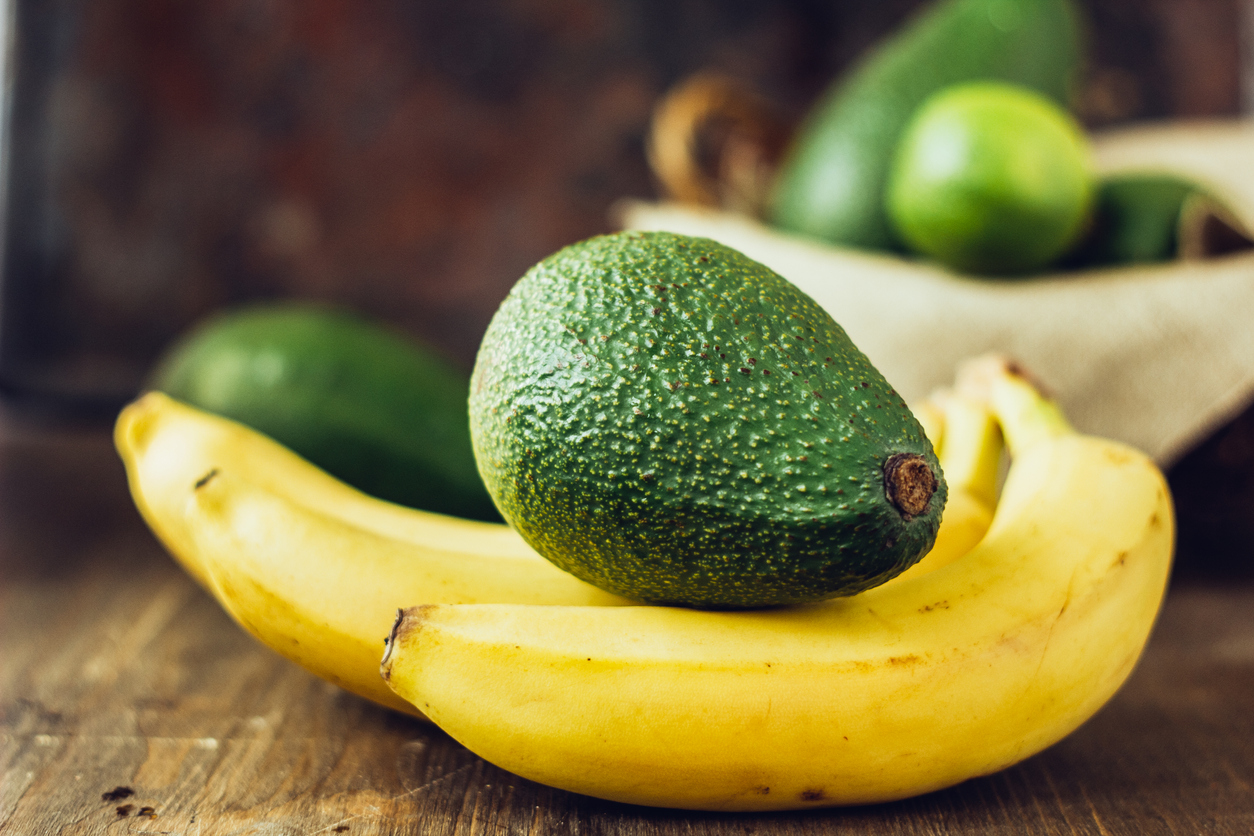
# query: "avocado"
832 181
1136 220
371 407
672 421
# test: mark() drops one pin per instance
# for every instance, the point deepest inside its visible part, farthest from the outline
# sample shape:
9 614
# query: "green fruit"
674 422
370 407
991 178
831 185
1136 220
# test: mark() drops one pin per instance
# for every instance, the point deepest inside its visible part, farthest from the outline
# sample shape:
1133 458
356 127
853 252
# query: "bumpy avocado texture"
674 422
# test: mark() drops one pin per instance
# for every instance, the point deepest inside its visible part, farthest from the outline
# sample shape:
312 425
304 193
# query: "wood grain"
118 672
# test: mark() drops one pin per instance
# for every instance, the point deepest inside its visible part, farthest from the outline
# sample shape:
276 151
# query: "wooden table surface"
130 703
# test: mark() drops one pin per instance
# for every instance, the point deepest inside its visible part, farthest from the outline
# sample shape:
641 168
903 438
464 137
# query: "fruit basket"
1156 355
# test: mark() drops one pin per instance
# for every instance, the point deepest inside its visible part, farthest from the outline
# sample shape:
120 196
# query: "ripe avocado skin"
671 421
831 184
379 411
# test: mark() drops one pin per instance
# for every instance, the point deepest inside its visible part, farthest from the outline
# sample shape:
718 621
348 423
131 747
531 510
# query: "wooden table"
132 704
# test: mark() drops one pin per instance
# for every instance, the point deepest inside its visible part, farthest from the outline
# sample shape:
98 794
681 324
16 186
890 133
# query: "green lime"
991 178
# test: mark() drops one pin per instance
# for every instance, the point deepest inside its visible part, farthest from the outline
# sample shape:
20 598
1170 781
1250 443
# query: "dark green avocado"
674 422
1136 220
371 407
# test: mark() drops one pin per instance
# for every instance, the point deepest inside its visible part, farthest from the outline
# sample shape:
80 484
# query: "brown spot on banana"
903 660
206 479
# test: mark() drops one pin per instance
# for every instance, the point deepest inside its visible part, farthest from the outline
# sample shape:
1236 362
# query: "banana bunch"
308 565
909 687
316 570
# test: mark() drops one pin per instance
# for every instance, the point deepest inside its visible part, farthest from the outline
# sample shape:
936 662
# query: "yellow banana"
931 417
168 446
906 688
970 456
311 567
315 569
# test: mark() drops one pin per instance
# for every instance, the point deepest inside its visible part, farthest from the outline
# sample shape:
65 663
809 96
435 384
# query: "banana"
168 446
906 688
315 569
931 416
970 456
306 564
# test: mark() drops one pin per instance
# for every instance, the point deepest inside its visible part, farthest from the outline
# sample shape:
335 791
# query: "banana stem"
1026 415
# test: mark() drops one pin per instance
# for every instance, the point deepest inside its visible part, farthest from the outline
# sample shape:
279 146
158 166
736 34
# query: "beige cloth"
1157 356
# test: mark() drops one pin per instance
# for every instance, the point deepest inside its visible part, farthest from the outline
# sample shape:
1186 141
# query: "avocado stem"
909 482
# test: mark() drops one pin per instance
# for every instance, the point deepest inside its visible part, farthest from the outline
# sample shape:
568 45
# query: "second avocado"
383 413
674 422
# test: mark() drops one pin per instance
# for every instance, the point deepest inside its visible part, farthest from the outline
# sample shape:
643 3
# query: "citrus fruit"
991 177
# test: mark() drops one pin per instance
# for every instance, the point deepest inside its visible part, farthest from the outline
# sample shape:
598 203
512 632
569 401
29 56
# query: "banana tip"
407 620
977 376
385 665
136 423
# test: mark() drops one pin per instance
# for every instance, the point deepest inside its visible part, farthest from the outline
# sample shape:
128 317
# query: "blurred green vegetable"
1136 220
377 410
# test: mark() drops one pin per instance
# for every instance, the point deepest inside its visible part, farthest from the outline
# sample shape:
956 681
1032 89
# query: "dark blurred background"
407 159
